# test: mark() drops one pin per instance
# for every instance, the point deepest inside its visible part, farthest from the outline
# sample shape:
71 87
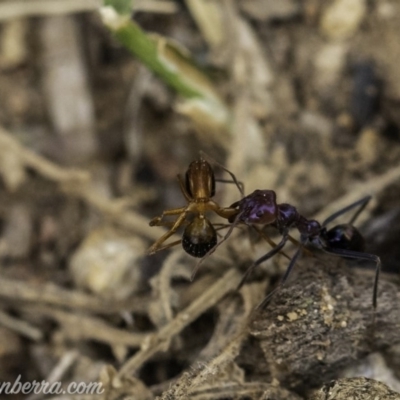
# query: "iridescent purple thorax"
259 207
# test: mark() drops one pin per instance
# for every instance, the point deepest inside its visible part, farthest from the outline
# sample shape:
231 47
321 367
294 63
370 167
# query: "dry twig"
19 326
48 293
19 9
83 327
160 340
77 183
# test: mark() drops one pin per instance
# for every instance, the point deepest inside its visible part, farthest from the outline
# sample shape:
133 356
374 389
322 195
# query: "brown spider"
198 188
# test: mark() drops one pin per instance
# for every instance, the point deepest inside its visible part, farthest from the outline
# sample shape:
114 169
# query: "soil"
91 142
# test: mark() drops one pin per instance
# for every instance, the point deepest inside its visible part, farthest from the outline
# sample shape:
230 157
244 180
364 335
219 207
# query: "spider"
198 188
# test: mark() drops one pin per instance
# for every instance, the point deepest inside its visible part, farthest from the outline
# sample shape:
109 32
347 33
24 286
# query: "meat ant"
343 240
200 237
198 188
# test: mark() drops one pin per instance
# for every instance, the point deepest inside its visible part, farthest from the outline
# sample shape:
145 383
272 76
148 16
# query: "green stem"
165 59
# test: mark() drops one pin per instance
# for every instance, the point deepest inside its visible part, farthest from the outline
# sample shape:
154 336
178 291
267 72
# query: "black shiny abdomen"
345 236
199 238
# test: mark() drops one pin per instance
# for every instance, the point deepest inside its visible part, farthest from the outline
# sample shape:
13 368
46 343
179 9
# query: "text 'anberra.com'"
43 387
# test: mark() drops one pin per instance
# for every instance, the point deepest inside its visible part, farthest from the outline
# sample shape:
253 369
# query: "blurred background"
302 97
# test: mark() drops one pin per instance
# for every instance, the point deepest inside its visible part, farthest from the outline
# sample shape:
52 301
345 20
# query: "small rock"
342 18
108 264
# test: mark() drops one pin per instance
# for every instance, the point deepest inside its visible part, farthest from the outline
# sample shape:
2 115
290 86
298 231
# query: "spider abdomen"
199 237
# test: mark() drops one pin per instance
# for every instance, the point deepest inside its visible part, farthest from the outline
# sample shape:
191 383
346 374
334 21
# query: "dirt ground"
91 142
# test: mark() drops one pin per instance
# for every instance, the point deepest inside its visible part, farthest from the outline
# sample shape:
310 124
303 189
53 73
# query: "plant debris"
96 121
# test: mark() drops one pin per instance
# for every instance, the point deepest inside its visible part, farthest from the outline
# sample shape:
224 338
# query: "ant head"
344 236
258 208
199 237
200 180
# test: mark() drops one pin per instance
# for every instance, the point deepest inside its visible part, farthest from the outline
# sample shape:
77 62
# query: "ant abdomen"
199 237
346 237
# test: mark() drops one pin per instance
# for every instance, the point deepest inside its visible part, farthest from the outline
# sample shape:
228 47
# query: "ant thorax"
258 208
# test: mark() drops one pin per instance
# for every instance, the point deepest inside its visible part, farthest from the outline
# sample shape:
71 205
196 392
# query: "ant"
343 240
198 188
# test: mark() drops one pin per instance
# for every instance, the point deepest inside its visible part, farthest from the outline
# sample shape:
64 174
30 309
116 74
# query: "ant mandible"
198 188
343 240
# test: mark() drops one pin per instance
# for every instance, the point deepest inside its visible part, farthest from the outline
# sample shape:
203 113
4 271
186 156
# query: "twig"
48 293
117 213
227 339
251 390
44 167
374 185
189 381
62 366
162 287
59 370
77 183
19 9
78 327
19 326
159 340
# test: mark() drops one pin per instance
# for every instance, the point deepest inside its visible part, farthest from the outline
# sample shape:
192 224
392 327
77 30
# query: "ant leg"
297 243
269 240
265 257
362 203
361 256
289 269
235 181
180 220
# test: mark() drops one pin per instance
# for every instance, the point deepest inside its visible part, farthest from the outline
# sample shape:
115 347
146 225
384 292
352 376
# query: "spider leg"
169 224
158 221
239 185
224 212
169 245
183 189
219 227
179 221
